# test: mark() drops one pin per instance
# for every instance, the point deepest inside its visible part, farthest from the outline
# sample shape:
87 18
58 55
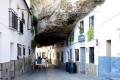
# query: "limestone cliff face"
55 12
56 15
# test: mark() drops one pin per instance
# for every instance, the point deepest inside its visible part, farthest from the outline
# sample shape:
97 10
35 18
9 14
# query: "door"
82 60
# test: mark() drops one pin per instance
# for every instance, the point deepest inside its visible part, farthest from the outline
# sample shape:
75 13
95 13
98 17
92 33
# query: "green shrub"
90 34
33 44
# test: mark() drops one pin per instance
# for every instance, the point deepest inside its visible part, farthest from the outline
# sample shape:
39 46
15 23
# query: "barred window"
91 21
13 19
81 27
20 26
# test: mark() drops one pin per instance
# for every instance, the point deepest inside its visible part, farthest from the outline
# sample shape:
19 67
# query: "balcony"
13 19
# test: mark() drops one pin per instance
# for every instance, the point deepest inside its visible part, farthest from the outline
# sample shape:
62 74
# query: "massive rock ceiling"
57 18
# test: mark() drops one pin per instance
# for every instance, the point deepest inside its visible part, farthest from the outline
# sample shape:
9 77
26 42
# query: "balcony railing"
20 30
13 19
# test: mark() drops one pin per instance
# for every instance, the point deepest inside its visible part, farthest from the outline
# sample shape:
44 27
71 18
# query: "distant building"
15 38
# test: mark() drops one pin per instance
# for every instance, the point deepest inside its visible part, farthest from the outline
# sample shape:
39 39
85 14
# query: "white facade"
106 27
109 27
9 37
106 40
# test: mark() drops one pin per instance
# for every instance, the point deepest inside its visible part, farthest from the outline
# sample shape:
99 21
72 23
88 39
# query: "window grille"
13 19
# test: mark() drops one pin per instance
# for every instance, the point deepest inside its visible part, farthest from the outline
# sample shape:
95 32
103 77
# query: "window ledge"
12 28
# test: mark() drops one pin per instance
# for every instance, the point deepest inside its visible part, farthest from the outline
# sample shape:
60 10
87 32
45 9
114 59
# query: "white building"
15 38
101 55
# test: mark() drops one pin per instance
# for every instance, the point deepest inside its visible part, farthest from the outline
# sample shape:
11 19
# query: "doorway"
108 55
108 47
82 60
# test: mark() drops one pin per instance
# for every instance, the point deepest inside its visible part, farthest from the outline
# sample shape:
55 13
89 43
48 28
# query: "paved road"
54 74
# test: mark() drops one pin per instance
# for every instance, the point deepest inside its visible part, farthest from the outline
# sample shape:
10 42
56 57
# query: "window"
19 50
20 26
71 38
23 20
37 54
58 55
23 50
13 19
62 56
43 54
91 21
81 27
29 51
91 54
53 54
76 54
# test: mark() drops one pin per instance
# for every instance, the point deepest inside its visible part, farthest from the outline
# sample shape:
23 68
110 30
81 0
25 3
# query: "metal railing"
13 19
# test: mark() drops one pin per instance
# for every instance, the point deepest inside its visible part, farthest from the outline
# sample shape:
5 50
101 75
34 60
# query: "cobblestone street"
54 74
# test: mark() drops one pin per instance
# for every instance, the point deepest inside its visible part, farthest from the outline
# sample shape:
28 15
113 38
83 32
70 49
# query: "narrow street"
79 39
54 74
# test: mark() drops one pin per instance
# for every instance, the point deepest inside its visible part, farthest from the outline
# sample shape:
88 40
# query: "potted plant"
90 34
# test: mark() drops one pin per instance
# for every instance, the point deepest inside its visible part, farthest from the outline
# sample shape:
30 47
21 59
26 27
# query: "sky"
28 2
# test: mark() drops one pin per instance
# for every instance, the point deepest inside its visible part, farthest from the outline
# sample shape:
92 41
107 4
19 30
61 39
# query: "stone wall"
91 69
27 64
12 69
22 66
5 71
18 70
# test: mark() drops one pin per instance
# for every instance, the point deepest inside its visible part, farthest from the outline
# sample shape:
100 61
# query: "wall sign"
81 38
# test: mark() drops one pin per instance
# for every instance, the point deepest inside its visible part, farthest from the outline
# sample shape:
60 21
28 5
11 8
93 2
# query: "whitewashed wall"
106 26
9 36
109 27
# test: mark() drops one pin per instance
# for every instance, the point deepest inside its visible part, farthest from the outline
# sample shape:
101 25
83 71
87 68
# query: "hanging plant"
33 44
90 34
35 21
